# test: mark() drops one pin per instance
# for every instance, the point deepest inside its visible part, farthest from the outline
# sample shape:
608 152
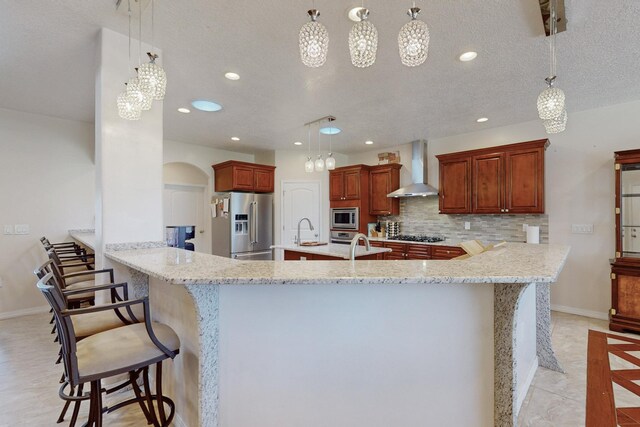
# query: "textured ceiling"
47 58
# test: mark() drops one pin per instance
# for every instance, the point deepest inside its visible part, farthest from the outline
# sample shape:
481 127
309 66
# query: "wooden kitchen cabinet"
242 176
508 179
346 183
384 179
408 251
398 251
455 186
418 251
446 252
625 268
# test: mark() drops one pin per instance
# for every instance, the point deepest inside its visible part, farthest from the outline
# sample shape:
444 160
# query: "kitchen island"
329 252
343 343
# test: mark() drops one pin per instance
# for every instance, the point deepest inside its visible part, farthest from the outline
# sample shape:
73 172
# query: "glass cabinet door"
630 210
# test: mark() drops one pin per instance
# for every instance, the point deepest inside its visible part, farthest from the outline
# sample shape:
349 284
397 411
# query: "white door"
300 199
184 205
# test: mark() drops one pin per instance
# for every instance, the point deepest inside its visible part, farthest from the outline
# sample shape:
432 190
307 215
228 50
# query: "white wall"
579 190
290 166
46 181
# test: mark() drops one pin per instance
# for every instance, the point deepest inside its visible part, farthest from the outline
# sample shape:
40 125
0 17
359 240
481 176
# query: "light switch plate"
22 228
9 229
467 225
582 228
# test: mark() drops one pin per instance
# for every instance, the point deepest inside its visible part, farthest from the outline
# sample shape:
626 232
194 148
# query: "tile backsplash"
419 215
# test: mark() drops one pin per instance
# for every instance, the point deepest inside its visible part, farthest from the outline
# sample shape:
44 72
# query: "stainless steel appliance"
419 238
343 237
345 218
243 226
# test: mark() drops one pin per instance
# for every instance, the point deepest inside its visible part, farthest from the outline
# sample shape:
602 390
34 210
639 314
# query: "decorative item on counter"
371 229
393 229
533 234
475 247
386 158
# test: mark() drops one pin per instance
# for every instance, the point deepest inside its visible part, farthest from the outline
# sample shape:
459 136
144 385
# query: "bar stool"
128 349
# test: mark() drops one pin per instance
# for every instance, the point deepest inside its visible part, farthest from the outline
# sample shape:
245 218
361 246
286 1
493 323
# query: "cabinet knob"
506 210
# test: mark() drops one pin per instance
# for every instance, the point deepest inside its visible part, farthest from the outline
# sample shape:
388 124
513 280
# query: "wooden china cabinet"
625 268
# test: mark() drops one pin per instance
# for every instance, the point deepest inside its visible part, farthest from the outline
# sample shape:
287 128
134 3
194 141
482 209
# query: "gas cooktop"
419 238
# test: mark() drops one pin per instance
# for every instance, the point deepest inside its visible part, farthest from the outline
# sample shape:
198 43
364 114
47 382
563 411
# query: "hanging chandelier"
363 41
551 101
413 40
153 79
314 41
320 164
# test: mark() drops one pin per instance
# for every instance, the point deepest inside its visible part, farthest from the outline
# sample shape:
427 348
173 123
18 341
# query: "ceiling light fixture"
208 106
331 130
297 143
153 79
184 110
468 56
551 102
363 41
235 138
331 161
308 165
413 40
368 142
128 106
319 163
353 13
482 120
313 41
232 76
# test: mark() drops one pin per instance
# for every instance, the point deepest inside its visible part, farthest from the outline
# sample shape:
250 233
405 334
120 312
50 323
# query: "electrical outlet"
467 225
582 228
22 228
9 229
524 227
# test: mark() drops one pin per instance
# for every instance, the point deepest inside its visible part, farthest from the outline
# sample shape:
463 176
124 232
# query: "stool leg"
76 408
98 388
66 406
136 390
147 392
159 400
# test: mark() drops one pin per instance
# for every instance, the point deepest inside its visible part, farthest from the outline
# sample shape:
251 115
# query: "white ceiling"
47 66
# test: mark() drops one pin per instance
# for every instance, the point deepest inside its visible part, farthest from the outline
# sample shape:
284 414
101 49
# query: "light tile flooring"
29 379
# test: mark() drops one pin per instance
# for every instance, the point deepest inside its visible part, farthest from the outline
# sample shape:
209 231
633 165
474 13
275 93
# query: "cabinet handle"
506 210
501 210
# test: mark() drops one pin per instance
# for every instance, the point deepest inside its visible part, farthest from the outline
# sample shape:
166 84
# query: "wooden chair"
131 349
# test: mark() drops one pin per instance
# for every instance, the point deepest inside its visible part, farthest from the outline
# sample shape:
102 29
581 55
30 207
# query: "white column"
128 153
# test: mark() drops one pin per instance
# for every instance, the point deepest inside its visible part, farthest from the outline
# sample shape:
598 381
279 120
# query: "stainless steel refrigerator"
242 225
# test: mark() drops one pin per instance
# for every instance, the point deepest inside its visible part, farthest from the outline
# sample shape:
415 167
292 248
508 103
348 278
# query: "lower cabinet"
625 298
402 251
298 256
446 252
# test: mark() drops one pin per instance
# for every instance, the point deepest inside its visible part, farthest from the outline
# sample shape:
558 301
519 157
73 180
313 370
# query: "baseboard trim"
580 312
527 384
177 421
24 312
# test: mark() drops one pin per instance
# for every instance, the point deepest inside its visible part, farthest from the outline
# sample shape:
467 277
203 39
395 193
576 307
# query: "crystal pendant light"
308 165
319 164
153 79
314 41
141 98
413 40
551 101
363 41
127 107
556 125
330 163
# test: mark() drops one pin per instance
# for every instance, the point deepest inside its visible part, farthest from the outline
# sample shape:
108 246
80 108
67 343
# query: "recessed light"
203 105
184 110
353 14
468 56
232 76
235 138
482 120
297 143
368 142
330 131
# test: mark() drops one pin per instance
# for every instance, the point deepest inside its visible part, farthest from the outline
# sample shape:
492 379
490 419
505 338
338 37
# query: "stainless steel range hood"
419 186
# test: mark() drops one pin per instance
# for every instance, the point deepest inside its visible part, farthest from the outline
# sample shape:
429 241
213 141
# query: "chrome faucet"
354 244
300 222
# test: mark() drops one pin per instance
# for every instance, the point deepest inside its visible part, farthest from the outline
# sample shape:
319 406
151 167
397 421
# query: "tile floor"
29 379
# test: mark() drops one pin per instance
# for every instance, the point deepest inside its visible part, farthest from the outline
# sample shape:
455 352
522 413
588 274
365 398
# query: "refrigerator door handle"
255 222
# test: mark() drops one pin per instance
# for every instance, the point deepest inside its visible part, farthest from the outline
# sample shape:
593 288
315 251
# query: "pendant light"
319 164
153 79
413 40
129 106
308 165
140 97
363 41
551 102
330 163
313 41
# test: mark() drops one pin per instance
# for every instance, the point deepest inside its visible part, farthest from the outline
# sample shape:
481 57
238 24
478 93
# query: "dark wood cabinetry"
384 179
625 268
346 183
508 179
409 251
242 176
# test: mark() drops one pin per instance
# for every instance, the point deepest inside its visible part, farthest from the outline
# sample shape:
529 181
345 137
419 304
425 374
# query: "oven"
342 237
345 218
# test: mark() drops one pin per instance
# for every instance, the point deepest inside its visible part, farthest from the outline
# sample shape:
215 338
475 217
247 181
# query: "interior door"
184 205
299 200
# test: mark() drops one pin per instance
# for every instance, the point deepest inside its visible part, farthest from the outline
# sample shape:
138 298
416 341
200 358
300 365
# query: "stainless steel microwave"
345 218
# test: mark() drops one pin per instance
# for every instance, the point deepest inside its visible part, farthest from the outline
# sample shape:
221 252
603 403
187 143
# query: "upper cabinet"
346 183
384 179
508 179
242 176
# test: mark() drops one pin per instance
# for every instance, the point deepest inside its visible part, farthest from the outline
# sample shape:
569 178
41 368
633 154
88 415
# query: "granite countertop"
85 237
335 250
511 263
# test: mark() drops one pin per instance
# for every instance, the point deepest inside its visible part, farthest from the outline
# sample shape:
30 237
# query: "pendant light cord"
129 12
139 33
552 42
153 34
309 139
